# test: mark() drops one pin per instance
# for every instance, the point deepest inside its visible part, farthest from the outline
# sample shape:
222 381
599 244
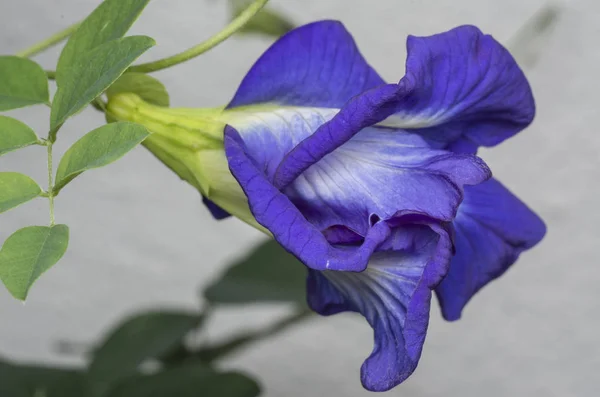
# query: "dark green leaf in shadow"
18 380
22 83
136 340
267 274
188 380
15 135
98 148
28 253
529 42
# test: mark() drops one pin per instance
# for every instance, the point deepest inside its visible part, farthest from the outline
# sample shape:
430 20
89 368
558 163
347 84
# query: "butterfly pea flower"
375 187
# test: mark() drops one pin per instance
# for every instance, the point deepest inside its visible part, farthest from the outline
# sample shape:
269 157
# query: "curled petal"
381 172
270 133
461 90
394 295
492 228
378 172
360 112
275 211
315 65
465 86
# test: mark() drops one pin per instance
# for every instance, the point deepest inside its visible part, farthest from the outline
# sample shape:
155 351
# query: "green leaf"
15 135
108 22
22 83
98 148
146 87
209 353
28 253
268 274
266 22
188 380
31 381
89 74
139 338
16 189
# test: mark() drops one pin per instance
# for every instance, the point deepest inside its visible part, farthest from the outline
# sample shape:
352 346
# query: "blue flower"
363 181
375 187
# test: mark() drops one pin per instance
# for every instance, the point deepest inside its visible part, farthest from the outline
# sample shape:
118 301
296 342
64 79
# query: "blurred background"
141 238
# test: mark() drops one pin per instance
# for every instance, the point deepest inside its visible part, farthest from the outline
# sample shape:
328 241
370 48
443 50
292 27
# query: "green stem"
211 353
99 104
176 59
201 48
50 184
49 42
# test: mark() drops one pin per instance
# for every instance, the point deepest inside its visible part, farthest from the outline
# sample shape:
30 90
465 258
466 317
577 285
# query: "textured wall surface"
141 238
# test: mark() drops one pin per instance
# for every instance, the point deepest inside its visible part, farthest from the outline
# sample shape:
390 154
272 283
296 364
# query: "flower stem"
201 48
49 42
50 183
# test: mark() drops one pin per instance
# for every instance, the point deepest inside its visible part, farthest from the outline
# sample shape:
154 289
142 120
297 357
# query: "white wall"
141 238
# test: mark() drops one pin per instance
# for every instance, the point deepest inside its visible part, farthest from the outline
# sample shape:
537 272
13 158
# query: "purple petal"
466 86
394 295
360 112
462 89
217 212
383 173
491 229
377 172
275 211
314 65
269 135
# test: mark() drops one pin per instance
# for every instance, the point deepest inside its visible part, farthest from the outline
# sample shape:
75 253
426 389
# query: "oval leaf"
22 83
139 338
108 22
16 189
268 274
28 253
15 135
188 380
147 87
98 148
89 74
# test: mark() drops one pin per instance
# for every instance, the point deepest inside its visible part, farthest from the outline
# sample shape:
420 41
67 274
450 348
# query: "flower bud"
189 142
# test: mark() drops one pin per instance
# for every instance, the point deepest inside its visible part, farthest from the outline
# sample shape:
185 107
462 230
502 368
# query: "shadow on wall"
153 353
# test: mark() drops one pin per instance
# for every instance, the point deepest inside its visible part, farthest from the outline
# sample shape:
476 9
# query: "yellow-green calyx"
189 142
